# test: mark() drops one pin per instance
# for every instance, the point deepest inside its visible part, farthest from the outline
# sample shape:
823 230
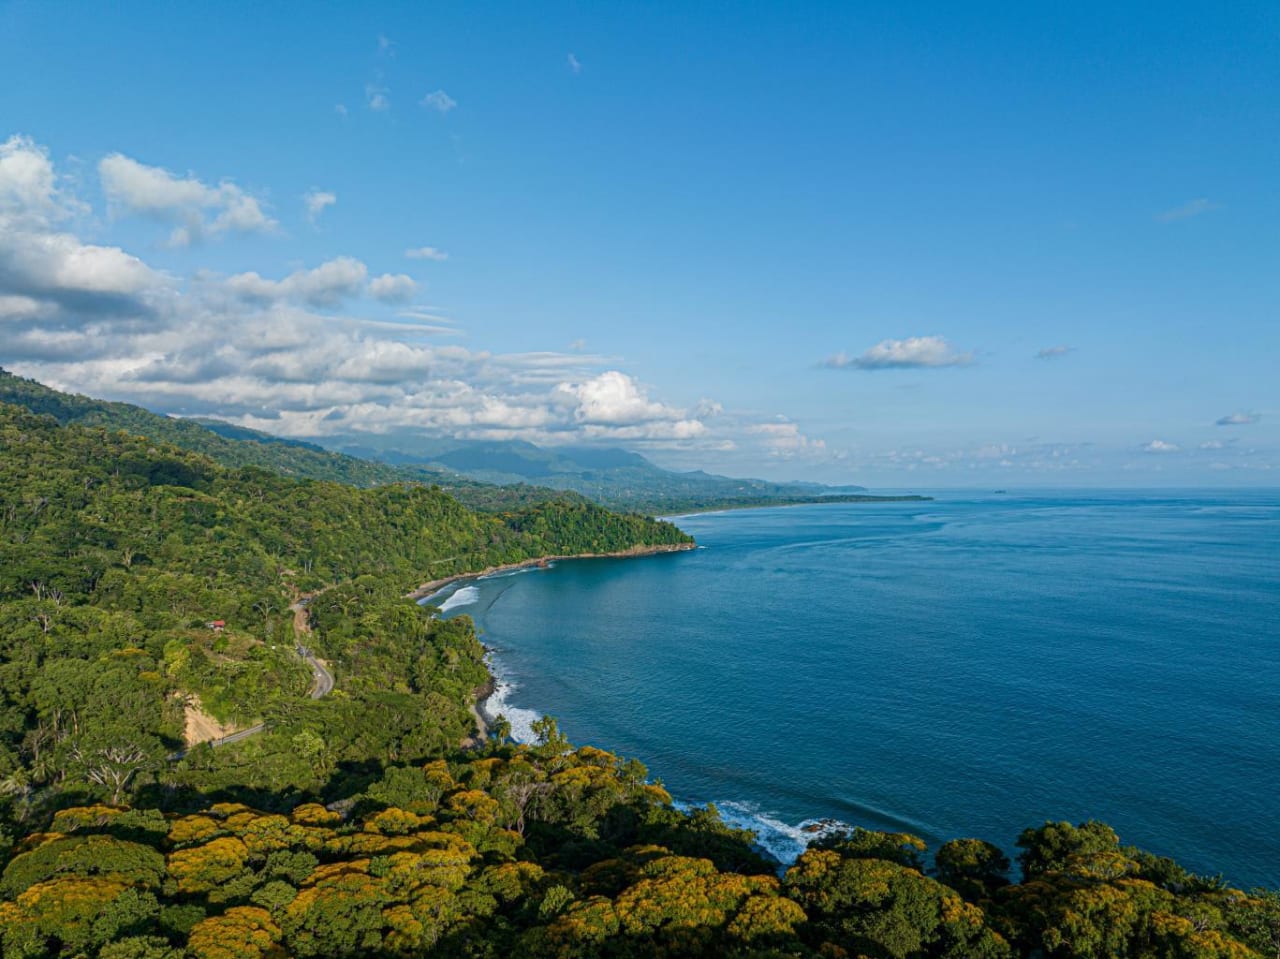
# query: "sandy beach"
434 585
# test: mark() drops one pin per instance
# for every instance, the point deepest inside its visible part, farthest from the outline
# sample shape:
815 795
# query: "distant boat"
1000 491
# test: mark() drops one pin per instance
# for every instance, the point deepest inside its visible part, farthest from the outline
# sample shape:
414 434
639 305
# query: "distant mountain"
228 445
619 479
236 446
232 432
494 476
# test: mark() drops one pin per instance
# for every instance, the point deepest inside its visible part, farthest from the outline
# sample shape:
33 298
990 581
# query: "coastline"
483 721
434 585
480 697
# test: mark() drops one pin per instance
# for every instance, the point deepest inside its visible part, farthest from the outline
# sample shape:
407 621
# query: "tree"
1050 847
973 868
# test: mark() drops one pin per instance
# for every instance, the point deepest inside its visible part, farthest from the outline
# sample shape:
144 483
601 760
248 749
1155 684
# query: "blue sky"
998 244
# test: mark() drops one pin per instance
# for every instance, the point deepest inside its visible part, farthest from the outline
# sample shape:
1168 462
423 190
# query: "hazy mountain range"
484 474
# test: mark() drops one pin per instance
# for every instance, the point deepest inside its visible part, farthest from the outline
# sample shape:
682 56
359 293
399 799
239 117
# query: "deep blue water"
965 667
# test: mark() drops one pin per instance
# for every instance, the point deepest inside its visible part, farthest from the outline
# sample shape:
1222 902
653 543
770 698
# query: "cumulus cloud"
783 439
198 210
1054 352
915 352
616 401
426 253
29 191
317 201
439 101
325 286
44 269
284 354
612 397
1160 446
397 288
1238 419
376 99
1187 210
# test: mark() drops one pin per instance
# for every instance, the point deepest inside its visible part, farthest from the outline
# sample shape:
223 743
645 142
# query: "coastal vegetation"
489 477
138 578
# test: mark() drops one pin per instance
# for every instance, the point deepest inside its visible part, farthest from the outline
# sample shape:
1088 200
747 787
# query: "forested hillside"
291 459
613 478
136 576
234 446
116 553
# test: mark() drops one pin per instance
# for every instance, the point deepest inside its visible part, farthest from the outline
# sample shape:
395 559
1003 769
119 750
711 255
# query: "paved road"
321 680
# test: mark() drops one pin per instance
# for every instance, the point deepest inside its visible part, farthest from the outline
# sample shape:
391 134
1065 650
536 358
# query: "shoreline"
480 697
434 585
483 721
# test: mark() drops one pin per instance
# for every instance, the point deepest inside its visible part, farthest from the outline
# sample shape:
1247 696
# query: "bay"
969 666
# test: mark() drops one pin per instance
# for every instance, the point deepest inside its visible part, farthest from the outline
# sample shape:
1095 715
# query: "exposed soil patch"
200 726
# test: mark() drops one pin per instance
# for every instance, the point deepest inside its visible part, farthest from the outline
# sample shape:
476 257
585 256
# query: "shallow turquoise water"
965 667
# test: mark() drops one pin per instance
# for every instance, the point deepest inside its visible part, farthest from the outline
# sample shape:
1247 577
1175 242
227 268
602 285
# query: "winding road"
321 679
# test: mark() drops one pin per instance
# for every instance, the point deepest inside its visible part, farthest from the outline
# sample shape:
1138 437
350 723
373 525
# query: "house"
217 625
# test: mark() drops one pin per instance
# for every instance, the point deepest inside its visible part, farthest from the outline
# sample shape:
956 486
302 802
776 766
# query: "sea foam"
521 719
782 841
463 597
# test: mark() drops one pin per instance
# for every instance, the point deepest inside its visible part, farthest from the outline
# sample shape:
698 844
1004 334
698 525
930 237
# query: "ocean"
970 666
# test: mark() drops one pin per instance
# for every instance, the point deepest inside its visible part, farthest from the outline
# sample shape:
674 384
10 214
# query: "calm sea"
965 667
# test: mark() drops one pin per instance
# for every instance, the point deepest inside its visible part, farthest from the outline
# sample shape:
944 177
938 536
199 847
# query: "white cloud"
1238 419
426 253
613 399
198 209
1160 446
784 440
29 193
1054 352
41 266
281 354
1189 209
59 261
388 288
147 189
574 64
325 286
316 201
22 308
375 97
439 101
340 109
915 352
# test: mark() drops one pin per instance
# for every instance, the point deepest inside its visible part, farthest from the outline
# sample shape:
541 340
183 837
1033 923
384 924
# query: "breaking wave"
782 841
462 597
498 704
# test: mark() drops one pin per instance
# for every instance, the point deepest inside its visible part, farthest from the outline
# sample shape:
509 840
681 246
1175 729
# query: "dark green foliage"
225 444
973 868
117 550
859 843
1057 846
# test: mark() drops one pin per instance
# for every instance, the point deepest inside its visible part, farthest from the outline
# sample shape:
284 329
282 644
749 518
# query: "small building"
217 625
